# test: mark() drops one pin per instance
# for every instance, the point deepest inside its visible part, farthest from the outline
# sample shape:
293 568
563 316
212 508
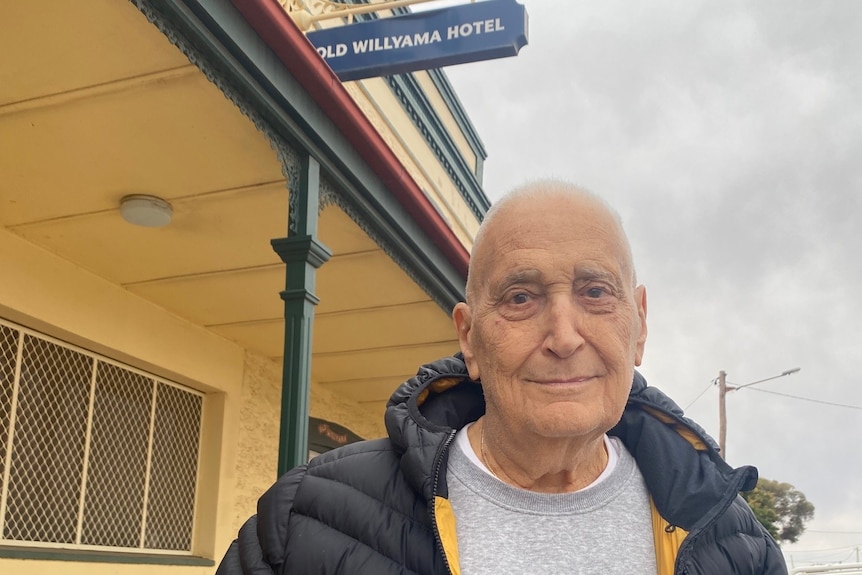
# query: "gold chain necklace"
485 459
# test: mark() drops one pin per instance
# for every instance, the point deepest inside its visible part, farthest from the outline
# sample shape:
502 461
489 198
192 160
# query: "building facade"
153 379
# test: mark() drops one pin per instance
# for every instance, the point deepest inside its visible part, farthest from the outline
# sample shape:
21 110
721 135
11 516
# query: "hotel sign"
468 33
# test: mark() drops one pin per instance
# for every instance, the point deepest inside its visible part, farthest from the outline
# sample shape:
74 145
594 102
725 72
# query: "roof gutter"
284 38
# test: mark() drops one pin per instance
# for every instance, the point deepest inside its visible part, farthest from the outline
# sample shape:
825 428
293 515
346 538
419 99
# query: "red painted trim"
297 54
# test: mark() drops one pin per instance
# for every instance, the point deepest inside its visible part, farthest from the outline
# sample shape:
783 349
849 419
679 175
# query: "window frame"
64 548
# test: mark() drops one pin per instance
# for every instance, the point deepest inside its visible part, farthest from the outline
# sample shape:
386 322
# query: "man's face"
555 327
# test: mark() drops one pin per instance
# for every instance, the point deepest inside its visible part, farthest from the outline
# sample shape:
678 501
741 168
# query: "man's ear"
641 303
463 319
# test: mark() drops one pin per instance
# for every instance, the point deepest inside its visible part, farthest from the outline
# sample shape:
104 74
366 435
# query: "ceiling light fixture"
147 211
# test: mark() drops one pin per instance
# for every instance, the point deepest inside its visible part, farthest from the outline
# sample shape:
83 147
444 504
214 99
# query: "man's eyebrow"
518 277
591 274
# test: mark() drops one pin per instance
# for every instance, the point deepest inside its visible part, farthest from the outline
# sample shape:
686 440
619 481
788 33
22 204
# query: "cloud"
729 137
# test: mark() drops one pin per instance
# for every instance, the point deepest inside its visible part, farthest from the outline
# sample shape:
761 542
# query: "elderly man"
539 449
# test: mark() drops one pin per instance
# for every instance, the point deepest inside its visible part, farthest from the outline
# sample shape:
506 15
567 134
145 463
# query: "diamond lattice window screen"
8 356
48 446
172 496
102 455
114 506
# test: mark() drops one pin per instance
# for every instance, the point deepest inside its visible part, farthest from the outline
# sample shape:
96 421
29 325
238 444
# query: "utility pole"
722 414
723 388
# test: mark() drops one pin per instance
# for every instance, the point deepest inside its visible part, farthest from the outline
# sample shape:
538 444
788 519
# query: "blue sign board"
468 33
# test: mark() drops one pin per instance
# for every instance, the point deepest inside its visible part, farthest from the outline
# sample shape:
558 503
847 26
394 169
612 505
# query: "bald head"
502 221
552 301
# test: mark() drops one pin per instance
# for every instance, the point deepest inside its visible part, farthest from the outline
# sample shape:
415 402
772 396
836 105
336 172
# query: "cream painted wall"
45 293
257 439
376 100
445 115
363 421
257 442
242 407
38 567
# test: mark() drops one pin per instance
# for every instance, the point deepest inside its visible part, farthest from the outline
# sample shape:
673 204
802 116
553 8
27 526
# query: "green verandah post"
302 253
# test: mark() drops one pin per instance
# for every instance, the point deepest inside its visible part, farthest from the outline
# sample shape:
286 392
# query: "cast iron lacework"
433 144
289 158
396 84
290 168
328 196
316 6
102 456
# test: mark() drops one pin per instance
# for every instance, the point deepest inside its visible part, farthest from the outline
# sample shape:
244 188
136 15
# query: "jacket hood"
679 461
424 413
687 478
435 400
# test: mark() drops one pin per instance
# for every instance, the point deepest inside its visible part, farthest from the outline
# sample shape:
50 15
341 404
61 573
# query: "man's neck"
547 465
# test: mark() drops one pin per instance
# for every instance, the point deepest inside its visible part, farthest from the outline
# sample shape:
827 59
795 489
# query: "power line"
723 389
834 532
849 555
843 547
808 399
711 383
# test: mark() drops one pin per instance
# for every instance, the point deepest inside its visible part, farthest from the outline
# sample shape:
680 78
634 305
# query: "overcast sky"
729 137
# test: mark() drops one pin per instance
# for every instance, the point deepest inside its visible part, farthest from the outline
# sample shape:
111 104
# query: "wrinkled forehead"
546 223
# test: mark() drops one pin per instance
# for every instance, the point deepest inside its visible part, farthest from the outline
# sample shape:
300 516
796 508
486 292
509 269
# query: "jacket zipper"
433 507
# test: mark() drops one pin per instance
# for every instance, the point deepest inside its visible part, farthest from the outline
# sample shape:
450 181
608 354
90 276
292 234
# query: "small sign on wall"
324 435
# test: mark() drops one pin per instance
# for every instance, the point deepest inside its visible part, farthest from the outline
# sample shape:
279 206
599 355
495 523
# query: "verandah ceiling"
95 104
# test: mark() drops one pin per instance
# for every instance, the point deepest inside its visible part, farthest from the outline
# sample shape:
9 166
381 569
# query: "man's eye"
596 292
520 298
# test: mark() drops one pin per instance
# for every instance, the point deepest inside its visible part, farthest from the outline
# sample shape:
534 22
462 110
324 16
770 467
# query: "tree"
780 508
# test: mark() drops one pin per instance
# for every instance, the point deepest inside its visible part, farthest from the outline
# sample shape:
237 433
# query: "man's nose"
564 322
